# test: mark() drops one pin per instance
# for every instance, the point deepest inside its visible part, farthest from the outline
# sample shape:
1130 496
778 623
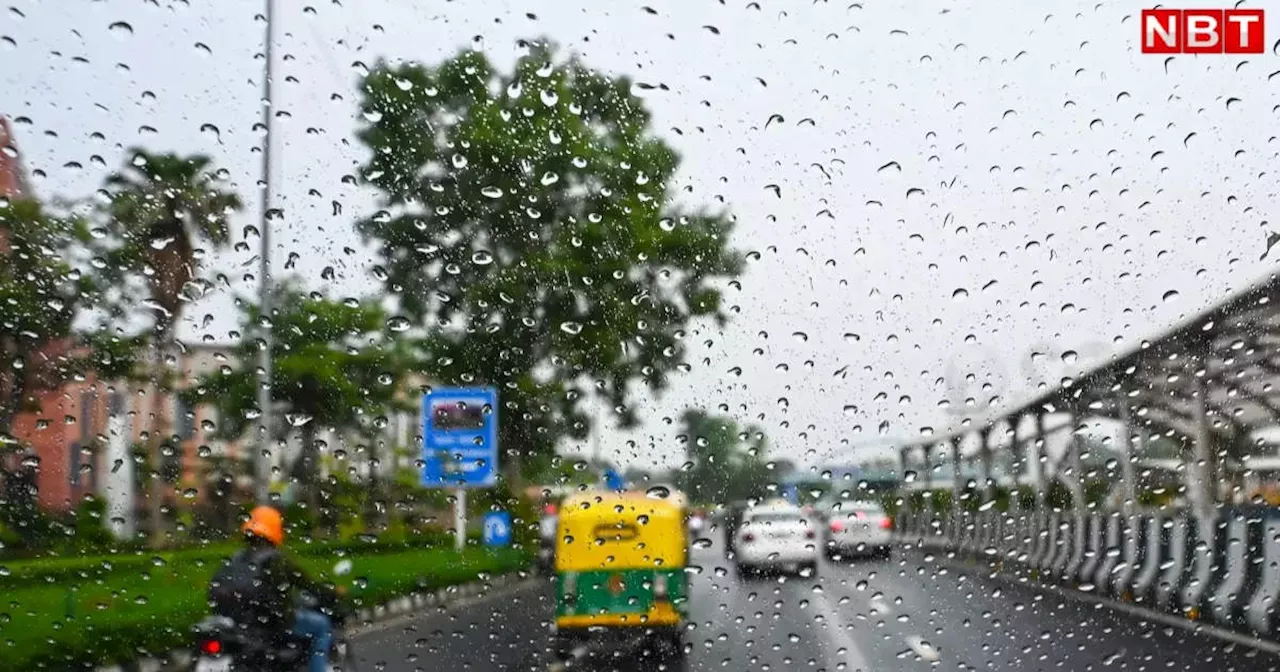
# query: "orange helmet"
265 522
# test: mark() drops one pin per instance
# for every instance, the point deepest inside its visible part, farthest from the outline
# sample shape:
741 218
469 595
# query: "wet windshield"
656 335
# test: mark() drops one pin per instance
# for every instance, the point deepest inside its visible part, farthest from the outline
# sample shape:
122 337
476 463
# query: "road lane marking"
923 649
879 607
843 654
578 653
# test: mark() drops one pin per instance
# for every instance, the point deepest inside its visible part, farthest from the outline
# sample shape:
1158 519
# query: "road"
913 612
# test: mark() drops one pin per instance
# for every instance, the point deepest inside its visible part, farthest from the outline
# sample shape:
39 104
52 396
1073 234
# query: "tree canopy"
334 364
725 463
48 292
528 230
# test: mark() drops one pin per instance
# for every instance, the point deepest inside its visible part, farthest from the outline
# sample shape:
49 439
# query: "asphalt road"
912 612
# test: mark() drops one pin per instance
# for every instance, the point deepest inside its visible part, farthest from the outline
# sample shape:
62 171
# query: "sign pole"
460 518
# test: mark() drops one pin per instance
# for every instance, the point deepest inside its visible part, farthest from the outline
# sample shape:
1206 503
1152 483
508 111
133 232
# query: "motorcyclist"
270 602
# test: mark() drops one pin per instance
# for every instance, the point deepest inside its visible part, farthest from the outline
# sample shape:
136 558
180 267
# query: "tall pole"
262 465
460 519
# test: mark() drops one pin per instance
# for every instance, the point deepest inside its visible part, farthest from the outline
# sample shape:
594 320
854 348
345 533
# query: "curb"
393 608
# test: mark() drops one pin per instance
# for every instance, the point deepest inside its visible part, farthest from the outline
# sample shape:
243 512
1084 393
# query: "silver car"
858 528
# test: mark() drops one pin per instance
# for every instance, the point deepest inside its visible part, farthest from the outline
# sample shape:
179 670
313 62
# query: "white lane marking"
879 607
843 654
923 649
578 653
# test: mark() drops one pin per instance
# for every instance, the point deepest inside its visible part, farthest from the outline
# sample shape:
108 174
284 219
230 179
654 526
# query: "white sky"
1076 195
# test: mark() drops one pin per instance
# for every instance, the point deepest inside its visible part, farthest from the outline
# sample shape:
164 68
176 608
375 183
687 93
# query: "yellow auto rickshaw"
620 572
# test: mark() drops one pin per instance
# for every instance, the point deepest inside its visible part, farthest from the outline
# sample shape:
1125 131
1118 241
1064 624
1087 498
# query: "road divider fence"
1225 571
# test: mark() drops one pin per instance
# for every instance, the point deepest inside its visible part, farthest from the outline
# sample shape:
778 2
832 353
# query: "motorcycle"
222 645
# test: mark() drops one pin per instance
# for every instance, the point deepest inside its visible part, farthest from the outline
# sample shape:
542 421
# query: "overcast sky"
991 180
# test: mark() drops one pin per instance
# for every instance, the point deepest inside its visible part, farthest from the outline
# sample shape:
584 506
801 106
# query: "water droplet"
121 30
481 258
398 323
491 192
658 492
1171 295
571 328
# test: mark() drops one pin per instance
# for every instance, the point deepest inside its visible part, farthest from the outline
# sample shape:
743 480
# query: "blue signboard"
613 480
497 528
460 437
791 493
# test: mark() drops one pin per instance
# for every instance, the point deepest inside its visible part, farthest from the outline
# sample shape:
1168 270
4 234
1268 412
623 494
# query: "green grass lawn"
135 609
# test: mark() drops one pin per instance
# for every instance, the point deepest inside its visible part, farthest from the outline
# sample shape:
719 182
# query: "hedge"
146 607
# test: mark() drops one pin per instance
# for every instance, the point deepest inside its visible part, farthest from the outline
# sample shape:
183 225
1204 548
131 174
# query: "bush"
90 524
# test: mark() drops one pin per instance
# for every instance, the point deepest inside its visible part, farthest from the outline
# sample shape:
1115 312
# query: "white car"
776 536
858 528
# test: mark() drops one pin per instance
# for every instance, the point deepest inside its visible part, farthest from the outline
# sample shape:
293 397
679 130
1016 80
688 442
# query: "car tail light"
836 526
211 647
886 523
748 538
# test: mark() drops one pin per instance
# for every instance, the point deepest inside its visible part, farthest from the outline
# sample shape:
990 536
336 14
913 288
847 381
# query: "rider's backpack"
246 591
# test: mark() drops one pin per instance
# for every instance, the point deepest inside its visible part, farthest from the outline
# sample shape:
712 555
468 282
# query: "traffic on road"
917 611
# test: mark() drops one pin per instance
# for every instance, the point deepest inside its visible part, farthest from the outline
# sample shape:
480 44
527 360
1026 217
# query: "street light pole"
262 463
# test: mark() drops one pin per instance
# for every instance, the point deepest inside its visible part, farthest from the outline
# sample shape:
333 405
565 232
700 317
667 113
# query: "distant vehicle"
697 521
732 521
776 536
546 560
858 528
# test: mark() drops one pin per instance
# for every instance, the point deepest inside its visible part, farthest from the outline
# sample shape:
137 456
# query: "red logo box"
1203 31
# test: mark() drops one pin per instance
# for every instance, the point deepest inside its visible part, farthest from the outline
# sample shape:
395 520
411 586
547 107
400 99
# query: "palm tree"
162 205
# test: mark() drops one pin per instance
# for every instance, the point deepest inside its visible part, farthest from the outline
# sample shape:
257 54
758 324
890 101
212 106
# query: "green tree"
41 292
162 206
527 228
335 364
49 296
725 463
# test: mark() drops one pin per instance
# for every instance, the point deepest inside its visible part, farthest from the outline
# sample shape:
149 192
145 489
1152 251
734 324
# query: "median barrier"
1240 569
1037 539
1144 584
1093 549
1226 572
1205 568
1262 606
1063 547
1109 557
1133 552
1174 574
